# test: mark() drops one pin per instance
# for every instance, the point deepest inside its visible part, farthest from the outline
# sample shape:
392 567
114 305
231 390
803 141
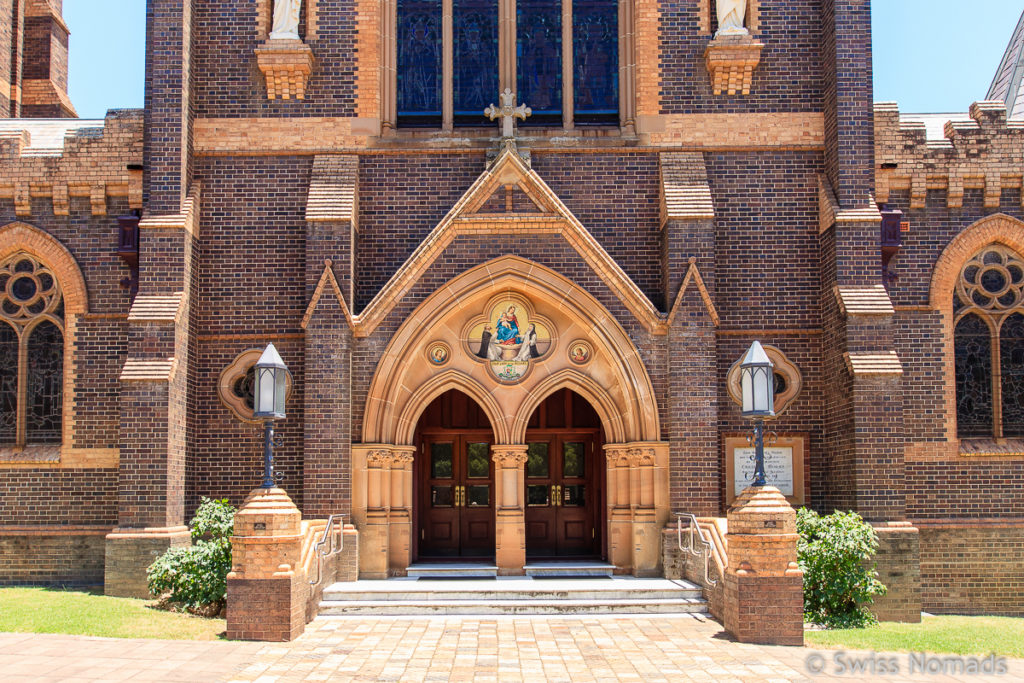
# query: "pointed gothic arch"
615 380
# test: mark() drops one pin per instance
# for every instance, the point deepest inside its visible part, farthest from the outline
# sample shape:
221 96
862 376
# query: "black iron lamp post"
271 384
757 381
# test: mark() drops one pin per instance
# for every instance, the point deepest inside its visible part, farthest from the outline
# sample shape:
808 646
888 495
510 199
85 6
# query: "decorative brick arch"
615 381
995 229
21 237
15 237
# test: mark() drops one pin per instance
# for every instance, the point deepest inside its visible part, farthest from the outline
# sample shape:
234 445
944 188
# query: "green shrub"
195 577
834 553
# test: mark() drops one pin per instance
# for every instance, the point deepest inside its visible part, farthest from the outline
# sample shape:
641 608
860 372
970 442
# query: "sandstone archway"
614 378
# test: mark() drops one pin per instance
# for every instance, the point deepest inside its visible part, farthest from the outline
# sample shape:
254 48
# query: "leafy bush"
834 553
196 577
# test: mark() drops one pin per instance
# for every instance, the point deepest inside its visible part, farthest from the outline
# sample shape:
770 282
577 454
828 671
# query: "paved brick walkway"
499 649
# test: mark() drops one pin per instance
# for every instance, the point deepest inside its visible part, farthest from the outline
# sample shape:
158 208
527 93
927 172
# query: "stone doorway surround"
613 380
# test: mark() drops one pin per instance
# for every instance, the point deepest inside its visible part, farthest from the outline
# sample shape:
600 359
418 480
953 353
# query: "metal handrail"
705 542
322 554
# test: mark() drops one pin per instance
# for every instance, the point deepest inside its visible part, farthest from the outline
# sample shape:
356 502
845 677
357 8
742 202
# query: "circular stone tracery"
28 289
992 281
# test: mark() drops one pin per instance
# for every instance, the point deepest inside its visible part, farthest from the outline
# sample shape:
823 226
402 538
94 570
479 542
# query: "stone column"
509 508
764 594
267 587
400 509
373 560
637 505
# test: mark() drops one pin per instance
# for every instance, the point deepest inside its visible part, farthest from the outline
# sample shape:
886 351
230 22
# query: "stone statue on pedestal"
731 15
286 20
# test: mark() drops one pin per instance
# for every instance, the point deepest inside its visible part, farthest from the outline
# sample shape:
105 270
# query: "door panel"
456 516
561 518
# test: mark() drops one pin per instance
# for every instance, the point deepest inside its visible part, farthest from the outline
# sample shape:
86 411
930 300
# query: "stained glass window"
972 342
539 60
31 352
1011 355
8 384
990 288
418 75
595 61
45 383
475 75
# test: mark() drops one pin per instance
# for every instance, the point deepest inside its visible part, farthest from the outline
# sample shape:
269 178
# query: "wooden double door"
562 496
456 495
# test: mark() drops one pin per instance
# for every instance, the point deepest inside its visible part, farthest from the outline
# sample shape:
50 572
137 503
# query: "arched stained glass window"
454 57
475 74
31 353
45 383
988 343
8 384
539 59
420 50
1011 355
973 377
595 61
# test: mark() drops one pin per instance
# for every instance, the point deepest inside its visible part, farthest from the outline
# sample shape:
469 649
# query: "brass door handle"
458 496
559 488
554 496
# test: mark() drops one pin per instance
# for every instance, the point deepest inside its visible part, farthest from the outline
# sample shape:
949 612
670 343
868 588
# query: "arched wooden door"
454 493
564 479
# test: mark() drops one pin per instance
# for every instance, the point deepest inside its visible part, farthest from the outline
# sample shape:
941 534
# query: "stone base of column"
399 542
267 588
764 594
373 551
646 536
128 554
510 543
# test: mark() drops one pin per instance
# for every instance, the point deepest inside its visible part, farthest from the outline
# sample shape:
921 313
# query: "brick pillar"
267 587
764 588
44 84
509 508
898 563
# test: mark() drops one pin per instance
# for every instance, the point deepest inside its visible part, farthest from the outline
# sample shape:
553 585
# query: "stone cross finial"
508 112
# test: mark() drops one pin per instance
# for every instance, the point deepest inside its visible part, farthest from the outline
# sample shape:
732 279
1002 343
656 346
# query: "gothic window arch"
452 58
988 344
31 352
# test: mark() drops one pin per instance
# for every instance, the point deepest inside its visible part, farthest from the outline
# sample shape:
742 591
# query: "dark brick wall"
972 569
789 77
57 560
58 496
401 199
229 83
615 196
251 251
766 208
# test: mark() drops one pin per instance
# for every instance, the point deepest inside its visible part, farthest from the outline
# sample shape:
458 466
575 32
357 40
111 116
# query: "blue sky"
930 55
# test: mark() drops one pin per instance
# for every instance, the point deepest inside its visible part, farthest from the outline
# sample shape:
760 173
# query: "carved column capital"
402 456
378 457
509 457
617 454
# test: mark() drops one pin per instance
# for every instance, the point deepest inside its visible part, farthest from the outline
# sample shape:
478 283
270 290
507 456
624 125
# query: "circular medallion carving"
439 353
509 336
580 352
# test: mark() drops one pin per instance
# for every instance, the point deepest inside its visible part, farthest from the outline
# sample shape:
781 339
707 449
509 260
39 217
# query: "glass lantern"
271 385
757 381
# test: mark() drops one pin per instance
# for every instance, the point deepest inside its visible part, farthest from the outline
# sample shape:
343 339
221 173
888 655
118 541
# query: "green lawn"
940 634
43 610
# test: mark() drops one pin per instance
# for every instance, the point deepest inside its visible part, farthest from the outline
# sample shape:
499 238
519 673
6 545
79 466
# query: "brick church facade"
507 348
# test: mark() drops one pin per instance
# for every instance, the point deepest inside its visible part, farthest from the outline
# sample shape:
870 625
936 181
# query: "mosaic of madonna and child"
509 340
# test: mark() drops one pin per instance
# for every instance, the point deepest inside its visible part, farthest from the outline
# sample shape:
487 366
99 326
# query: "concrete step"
530 606
452 571
568 569
514 595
